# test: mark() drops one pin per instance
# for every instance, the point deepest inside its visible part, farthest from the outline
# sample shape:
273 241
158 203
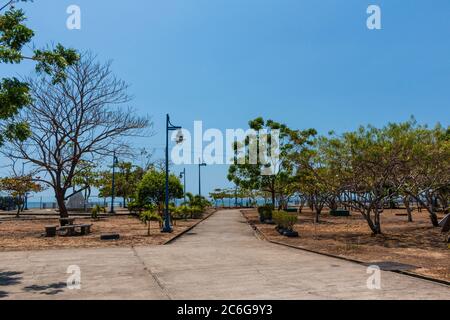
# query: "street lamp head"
180 137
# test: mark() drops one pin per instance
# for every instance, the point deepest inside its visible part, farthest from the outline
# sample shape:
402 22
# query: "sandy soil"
25 235
416 244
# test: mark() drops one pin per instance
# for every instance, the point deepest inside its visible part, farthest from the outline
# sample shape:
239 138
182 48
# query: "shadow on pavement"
51 289
10 278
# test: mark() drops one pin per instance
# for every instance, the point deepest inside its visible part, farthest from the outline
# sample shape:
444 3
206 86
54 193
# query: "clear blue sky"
309 63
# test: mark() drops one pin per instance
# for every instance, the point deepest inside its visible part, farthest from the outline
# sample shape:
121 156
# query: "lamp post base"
167 230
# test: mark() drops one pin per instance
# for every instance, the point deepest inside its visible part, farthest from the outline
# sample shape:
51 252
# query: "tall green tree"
370 159
152 189
15 93
250 176
425 169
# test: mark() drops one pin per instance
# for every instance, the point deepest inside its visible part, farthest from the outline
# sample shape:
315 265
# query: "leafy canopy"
14 93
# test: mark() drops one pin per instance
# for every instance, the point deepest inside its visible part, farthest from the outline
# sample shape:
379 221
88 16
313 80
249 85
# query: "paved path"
220 259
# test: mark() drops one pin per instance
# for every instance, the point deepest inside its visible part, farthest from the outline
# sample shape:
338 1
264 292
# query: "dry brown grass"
417 244
25 235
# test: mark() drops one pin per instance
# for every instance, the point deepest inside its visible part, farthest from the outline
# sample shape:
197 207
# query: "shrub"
135 208
96 210
179 213
148 216
197 201
285 220
196 212
185 211
265 212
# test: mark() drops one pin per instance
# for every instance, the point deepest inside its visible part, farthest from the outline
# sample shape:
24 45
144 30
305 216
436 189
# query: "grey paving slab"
219 259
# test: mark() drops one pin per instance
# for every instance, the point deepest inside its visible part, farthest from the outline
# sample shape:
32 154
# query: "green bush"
180 213
148 216
265 212
96 211
284 220
196 212
135 208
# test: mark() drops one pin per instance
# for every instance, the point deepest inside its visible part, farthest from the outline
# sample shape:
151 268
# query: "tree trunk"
375 226
407 202
19 208
445 206
60 199
434 219
333 205
429 205
432 210
377 223
317 216
85 200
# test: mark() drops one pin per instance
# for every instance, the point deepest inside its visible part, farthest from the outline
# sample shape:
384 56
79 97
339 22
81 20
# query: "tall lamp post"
183 176
113 188
200 165
169 127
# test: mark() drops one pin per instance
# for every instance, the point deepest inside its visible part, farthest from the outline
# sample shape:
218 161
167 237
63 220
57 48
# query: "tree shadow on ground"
51 289
10 278
3 294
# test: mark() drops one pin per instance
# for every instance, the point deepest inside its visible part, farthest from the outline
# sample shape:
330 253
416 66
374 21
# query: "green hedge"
284 220
265 212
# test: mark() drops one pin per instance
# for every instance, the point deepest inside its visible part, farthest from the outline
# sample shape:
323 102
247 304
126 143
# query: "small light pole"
113 189
200 165
183 176
26 193
169 127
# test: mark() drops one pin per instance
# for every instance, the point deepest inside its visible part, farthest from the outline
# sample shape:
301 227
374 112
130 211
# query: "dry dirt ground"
27 234
416 244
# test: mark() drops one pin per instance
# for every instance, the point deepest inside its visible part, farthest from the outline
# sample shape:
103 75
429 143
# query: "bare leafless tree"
76 122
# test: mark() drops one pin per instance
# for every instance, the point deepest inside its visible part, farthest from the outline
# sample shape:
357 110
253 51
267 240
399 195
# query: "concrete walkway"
219 259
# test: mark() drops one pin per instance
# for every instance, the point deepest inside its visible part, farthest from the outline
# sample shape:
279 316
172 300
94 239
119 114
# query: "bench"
50 231
340 213
110 236
85 229
67 221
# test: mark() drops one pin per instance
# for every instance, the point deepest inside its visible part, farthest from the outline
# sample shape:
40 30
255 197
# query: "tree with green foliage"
318 176
14 93
148 216
370 159
197 201
18 187
252 176
127 178
425 171
152 188
80 119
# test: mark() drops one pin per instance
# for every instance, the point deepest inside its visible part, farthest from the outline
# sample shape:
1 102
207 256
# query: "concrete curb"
189 229
406 273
